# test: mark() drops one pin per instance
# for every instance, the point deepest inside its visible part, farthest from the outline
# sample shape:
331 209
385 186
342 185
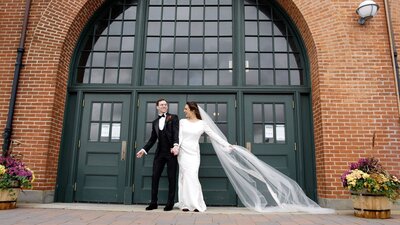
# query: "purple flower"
16 171
354 166
343 178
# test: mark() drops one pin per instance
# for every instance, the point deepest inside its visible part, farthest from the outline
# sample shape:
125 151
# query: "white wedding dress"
259 186
190 194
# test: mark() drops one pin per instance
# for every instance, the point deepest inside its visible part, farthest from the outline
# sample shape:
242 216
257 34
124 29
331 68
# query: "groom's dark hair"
160 100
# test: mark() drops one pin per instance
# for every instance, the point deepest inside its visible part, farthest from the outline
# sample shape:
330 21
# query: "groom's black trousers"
158 166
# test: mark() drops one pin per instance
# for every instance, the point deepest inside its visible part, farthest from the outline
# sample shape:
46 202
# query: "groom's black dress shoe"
152 206
168 207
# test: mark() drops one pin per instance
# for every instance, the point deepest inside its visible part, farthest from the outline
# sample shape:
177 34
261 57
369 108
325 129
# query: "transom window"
191 43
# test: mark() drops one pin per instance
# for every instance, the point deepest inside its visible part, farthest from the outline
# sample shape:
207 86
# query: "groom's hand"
140 153
175 150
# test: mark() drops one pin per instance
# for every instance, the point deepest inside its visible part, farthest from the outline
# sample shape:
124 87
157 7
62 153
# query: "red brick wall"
53 30
354 94
352 78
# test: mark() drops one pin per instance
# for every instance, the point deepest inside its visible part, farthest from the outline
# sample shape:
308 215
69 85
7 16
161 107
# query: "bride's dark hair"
193 107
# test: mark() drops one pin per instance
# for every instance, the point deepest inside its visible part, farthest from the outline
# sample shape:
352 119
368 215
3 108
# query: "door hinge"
295 146
79 143
133 187
293 104
75 186
138 102
135 145
235 104
83 102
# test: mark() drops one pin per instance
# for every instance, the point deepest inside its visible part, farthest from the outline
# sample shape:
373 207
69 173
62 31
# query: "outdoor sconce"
366 10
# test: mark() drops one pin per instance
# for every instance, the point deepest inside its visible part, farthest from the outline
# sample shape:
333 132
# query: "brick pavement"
98 214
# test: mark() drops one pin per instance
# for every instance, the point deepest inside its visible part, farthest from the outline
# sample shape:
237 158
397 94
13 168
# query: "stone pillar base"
345 204
36 196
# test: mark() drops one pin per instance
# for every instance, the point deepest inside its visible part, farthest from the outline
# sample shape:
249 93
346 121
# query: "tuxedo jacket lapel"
157 126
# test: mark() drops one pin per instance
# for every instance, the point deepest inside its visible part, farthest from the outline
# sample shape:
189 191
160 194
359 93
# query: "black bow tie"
159 116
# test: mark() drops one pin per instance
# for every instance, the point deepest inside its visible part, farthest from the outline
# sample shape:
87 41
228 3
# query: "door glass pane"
269 133
117 112
280 133
268 113
280 113
106 114
258 133
269 123
116 131
222 113
173 108
105 132
94 132
96 107
257 113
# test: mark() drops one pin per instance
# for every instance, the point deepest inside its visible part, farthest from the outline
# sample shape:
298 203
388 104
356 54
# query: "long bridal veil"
259 186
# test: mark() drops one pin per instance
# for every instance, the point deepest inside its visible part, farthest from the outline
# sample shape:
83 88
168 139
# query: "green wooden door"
147 112
216 187
270 132
103 148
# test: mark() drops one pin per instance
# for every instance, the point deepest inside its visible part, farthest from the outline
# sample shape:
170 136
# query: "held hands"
175 150
229 148
140 153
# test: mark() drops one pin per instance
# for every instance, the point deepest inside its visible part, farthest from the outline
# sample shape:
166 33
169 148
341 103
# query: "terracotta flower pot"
8 198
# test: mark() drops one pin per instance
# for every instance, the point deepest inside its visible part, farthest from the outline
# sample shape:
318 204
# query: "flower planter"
367 205
8 198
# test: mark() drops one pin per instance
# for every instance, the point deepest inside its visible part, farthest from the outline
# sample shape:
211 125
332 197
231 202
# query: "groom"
165 130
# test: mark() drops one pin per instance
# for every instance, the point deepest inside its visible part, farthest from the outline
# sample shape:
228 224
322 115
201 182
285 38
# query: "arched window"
191 43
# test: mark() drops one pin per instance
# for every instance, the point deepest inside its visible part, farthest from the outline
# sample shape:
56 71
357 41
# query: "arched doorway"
241 60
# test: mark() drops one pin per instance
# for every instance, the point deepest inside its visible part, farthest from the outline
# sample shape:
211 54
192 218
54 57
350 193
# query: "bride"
259 186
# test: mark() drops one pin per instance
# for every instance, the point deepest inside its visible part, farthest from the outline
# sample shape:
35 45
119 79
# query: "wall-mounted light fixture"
366 10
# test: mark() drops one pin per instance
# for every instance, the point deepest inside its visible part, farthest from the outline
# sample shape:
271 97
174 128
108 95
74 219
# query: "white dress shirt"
161 122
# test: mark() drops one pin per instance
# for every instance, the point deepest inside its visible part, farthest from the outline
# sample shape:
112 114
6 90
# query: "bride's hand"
229 148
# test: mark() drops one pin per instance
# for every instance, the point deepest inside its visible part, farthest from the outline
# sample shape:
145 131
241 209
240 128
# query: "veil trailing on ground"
259 186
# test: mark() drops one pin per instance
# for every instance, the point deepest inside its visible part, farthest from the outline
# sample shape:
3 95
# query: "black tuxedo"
166 139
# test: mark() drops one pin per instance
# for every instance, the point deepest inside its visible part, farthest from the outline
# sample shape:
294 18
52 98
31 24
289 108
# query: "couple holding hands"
259 186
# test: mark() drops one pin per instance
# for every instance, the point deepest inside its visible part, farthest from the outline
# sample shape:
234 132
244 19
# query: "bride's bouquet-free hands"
229 148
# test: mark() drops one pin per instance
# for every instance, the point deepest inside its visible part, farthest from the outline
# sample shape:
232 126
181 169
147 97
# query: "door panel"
103 148
147 112
269 131
216 187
